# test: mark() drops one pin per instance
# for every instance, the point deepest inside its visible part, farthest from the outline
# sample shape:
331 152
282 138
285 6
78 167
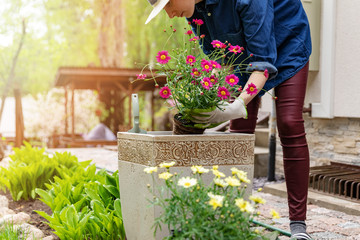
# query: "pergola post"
72 111
19 119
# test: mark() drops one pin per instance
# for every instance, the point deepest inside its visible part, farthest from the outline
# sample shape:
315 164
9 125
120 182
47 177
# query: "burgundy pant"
289 105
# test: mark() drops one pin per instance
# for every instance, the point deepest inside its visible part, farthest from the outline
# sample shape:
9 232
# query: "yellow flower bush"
193 209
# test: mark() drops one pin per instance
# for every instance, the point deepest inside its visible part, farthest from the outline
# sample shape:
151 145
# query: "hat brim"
157 9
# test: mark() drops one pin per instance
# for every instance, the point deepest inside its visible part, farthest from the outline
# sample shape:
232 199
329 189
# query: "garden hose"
283 232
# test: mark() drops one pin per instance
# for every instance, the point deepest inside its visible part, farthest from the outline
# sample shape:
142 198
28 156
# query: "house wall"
336 140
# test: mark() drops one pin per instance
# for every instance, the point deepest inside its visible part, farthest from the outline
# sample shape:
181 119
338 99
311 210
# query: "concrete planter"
137 151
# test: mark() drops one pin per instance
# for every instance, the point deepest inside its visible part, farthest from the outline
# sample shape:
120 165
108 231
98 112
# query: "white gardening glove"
236 109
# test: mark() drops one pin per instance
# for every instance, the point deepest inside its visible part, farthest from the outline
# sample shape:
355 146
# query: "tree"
11 74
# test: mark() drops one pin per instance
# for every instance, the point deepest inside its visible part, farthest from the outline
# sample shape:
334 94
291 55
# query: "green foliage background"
66 33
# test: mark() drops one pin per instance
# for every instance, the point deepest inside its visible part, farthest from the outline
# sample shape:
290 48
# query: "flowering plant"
199 81
195 210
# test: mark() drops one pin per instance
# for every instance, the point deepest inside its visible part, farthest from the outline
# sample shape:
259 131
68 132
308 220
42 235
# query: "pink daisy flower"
251 89
190 60
231 79
163 57
213 79
206 83
140 76
223 93
215 64
198 22
165 92
206 66
266 73
195 72
189 32
236 49
218 44
194 39
202 35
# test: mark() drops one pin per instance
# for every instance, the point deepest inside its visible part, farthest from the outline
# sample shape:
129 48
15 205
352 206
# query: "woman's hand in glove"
229 111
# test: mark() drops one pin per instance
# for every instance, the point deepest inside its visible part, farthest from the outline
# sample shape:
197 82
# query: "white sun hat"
158 6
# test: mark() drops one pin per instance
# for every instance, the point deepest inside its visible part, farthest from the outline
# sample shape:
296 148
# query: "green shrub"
31 168
85 205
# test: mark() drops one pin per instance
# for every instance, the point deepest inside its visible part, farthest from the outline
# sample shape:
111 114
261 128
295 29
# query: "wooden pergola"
114 86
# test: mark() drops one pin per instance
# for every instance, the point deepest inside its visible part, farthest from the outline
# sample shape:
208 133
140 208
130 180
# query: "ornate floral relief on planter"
187 153
204 150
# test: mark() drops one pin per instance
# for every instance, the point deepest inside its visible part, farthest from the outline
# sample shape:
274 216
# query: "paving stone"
327 235
321 210
18 218
48 238
349 225
4 202
5 211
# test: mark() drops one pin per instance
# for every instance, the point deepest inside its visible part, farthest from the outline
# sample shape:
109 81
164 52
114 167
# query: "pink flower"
198 22
223 93
165 92
213 79
215 64
163 57
195 72
202 35
206 83
236 49
231 79
251 89
140 76
190 60
206 65
218 44
193 39
266 73
189 32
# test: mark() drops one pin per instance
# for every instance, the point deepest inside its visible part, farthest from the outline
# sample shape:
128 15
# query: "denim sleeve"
257 17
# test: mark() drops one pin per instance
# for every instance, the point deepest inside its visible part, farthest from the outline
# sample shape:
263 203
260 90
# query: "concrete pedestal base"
137 151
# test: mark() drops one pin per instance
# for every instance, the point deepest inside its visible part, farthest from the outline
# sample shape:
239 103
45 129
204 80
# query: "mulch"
29 207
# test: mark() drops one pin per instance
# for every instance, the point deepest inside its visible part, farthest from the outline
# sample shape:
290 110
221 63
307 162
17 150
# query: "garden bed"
28 207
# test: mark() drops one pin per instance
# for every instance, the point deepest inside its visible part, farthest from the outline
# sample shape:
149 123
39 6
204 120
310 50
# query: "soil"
29 207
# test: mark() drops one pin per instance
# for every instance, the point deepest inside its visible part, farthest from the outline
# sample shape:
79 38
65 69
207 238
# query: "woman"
276 34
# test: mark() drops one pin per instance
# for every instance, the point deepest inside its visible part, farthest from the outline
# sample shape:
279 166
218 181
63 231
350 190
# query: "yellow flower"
150 169
199 169
167 164
218 174
259 189
244 206
187 182
215 200
240 174
220 182
215 167
257 199
165 175
274 214
232 181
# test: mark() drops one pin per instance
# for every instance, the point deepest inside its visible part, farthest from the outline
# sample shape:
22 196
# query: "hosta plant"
85 205
31 168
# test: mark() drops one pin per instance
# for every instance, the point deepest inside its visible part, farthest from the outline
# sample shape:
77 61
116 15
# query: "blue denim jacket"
276 32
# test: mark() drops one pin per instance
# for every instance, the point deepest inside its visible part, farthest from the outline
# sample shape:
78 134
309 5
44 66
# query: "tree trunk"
12 70
111 36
